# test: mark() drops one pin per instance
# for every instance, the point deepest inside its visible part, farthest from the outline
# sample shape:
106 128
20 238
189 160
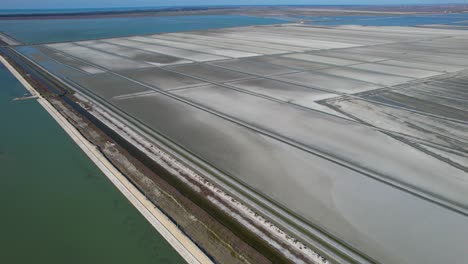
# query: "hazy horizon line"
233 5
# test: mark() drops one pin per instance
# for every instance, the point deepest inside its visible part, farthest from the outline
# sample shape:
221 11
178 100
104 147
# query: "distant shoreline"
247 10
106 12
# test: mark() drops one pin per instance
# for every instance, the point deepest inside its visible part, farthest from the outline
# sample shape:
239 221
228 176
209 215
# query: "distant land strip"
255 10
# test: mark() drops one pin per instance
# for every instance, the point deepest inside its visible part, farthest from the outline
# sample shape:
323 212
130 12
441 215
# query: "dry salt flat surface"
360 132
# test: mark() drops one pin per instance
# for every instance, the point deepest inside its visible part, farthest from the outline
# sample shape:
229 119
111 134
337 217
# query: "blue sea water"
59 30
399 20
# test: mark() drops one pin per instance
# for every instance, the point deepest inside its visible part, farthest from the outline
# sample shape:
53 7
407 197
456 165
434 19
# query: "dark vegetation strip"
83 14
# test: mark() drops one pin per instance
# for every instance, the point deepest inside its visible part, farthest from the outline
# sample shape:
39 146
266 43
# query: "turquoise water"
56 206
58 30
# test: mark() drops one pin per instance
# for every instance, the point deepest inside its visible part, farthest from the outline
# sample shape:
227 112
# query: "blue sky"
46 4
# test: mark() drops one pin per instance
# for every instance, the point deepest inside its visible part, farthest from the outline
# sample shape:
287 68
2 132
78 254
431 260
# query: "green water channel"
56 206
